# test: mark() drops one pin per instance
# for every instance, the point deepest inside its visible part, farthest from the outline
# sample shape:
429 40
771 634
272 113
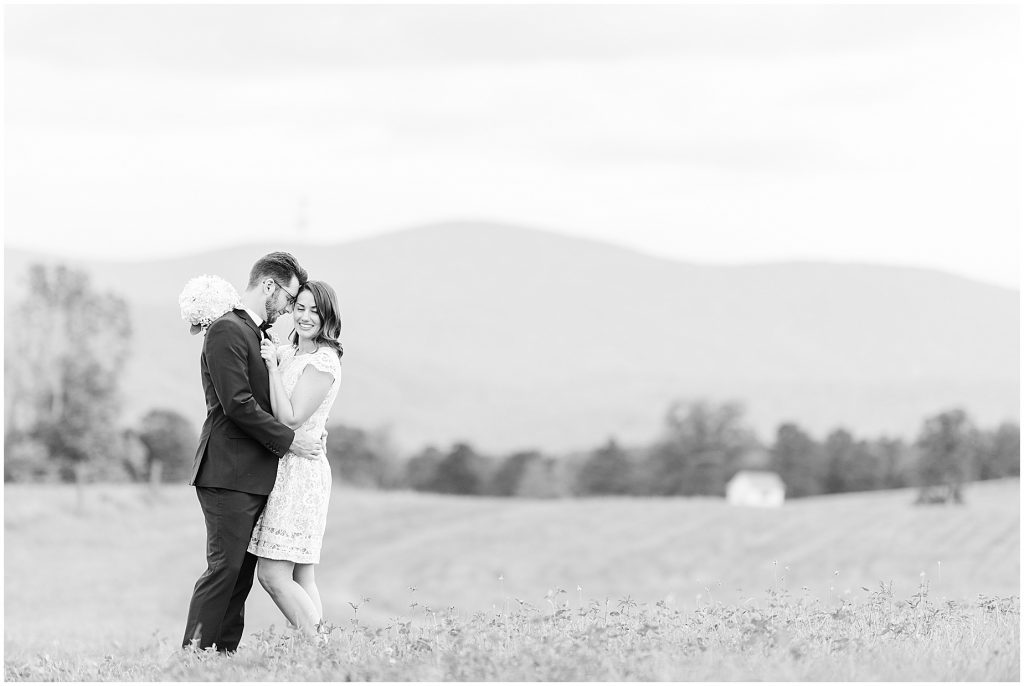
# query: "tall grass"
566 637
100 592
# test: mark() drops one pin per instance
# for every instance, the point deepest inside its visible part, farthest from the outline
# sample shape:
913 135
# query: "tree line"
701 447
62 400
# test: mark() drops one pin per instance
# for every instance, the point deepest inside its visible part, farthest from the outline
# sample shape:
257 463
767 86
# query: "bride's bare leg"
303 576
276 577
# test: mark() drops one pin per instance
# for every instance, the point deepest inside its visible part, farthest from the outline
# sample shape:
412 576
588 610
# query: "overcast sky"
725 134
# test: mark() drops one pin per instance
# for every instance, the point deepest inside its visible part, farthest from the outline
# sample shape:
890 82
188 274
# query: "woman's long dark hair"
330 316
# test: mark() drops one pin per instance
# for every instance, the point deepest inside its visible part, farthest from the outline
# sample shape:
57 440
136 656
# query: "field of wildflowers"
496 590
876 637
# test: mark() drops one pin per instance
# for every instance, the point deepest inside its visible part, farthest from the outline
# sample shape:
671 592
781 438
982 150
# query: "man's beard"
271 309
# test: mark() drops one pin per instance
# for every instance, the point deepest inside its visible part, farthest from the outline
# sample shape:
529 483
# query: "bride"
304 381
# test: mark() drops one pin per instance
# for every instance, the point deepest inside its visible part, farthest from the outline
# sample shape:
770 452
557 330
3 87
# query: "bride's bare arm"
309 392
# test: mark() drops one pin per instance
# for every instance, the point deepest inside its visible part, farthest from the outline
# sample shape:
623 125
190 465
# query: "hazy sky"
703 133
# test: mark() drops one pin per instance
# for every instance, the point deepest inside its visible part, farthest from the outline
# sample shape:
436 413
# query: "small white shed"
755 489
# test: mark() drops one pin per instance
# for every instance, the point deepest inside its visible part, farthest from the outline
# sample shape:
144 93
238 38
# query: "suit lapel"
244 316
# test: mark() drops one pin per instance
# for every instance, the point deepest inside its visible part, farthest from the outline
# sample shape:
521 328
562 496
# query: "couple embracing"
261 470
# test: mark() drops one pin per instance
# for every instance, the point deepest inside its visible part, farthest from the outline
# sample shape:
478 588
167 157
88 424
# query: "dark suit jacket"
241 440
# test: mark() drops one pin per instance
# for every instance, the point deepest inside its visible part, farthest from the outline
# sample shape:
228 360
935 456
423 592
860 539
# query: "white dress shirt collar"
255 317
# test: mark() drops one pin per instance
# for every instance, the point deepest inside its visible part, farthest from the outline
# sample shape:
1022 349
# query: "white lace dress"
292 524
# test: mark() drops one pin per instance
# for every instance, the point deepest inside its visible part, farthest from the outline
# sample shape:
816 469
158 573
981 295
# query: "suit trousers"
216 614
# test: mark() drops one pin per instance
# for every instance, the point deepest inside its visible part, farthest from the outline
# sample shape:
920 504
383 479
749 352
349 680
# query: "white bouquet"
206 298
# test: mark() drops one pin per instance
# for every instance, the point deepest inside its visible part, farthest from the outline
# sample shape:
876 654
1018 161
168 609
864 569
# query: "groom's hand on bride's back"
307 445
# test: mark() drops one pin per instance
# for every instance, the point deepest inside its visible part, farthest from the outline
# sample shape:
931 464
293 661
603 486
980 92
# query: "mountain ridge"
265 246
513 338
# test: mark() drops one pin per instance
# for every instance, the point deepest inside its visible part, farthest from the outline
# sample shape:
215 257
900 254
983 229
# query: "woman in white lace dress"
304 381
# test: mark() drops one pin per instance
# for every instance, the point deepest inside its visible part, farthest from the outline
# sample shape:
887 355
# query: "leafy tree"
27 459
421 469
67 360
136 458
839 452
361 458
699 451
608 471
895 460
542 478
170 441
999 452
510 471
865 471
851 464
798 460
947 448
460 472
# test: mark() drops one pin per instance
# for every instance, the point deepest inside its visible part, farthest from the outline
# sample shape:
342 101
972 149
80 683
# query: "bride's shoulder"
329 354
326 359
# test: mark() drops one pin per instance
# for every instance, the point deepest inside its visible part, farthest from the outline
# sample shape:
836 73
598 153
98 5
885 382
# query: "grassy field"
102 582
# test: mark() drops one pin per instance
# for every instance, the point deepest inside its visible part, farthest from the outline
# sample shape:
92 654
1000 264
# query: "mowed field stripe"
122 566
653 548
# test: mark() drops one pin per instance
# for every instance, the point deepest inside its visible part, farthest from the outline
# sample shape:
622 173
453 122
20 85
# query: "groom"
241 442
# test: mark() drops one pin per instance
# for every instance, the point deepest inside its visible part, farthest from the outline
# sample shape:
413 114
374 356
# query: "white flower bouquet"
204 299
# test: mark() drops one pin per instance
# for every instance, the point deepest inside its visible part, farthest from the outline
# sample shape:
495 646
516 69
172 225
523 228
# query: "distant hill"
511 337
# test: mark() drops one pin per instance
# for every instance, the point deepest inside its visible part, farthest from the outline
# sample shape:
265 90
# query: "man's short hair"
280 266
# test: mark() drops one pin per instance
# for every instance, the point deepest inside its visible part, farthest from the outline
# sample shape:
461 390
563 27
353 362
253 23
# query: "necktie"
263 329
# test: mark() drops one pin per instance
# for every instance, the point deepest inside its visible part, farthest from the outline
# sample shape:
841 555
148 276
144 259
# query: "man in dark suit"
239 448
